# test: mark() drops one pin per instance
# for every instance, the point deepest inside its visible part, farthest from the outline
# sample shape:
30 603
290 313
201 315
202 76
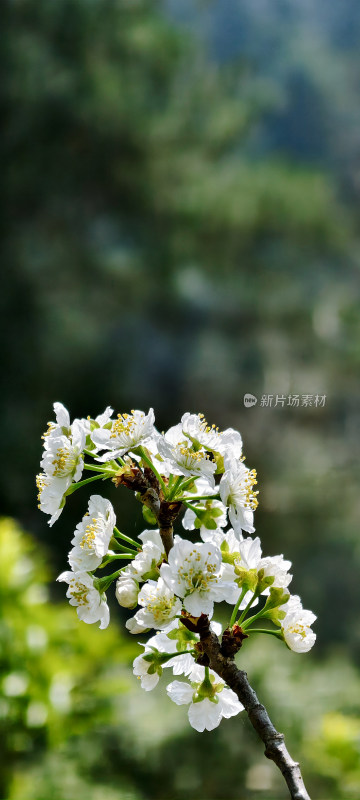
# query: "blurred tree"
158 253
75 723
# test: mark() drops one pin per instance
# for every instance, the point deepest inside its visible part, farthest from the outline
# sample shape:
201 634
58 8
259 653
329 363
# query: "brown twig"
237 680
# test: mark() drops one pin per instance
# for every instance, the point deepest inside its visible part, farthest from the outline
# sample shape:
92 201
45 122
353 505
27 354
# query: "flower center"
204 426
91 531
51 427
79 592
41 483
160 607
197 577
188 457
124 425
65 461
298 629
243 492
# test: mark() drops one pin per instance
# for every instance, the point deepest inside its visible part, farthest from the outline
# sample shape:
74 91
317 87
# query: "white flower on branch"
276 567
127 432
62 462
82 592
196 428
146 669
62 457
296 626
101 421
237 492
159 603
62 425
51 495
195 573
208 698
145 563
183 458
92 535
249 567
173 639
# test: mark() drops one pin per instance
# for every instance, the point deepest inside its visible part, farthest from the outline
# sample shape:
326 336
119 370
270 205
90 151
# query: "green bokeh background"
181 227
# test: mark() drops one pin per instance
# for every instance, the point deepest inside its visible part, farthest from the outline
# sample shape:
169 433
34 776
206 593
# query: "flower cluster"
170 582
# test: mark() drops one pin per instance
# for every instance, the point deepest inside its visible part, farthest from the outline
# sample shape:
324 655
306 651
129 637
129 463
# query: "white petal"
229 703
181 693
197 604
204 715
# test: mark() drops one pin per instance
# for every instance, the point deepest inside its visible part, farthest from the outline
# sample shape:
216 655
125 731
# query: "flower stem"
109 559
167 656
116 544
126 538
252 619
154 470
199 499
243 615
89 453
266 630
104 583
175 488
181 484
189 505
93 467
236 608
75 486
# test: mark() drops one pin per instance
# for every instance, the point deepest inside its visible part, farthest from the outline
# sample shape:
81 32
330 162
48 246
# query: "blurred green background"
181 227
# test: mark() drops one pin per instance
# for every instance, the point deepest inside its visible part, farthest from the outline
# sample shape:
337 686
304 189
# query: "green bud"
183 637
277 597
246 578
148 515
152 574
264 582
208 689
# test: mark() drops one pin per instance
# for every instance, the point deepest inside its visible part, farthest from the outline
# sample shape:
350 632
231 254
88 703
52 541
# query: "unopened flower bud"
127 591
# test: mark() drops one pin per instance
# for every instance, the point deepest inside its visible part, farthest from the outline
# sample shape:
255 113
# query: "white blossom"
296 626
91 604
209 700
62 455
51 495
62 425
246 558
92 535
172 639
194 573
146 671
134 627
101 421
196 428
127 432
146 562
159 603
153 535
183 458
276 567
236 491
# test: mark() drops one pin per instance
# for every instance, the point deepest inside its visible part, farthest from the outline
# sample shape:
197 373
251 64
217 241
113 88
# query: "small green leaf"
148 515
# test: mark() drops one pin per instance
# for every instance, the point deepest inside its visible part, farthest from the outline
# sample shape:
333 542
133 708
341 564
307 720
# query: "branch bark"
236 679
